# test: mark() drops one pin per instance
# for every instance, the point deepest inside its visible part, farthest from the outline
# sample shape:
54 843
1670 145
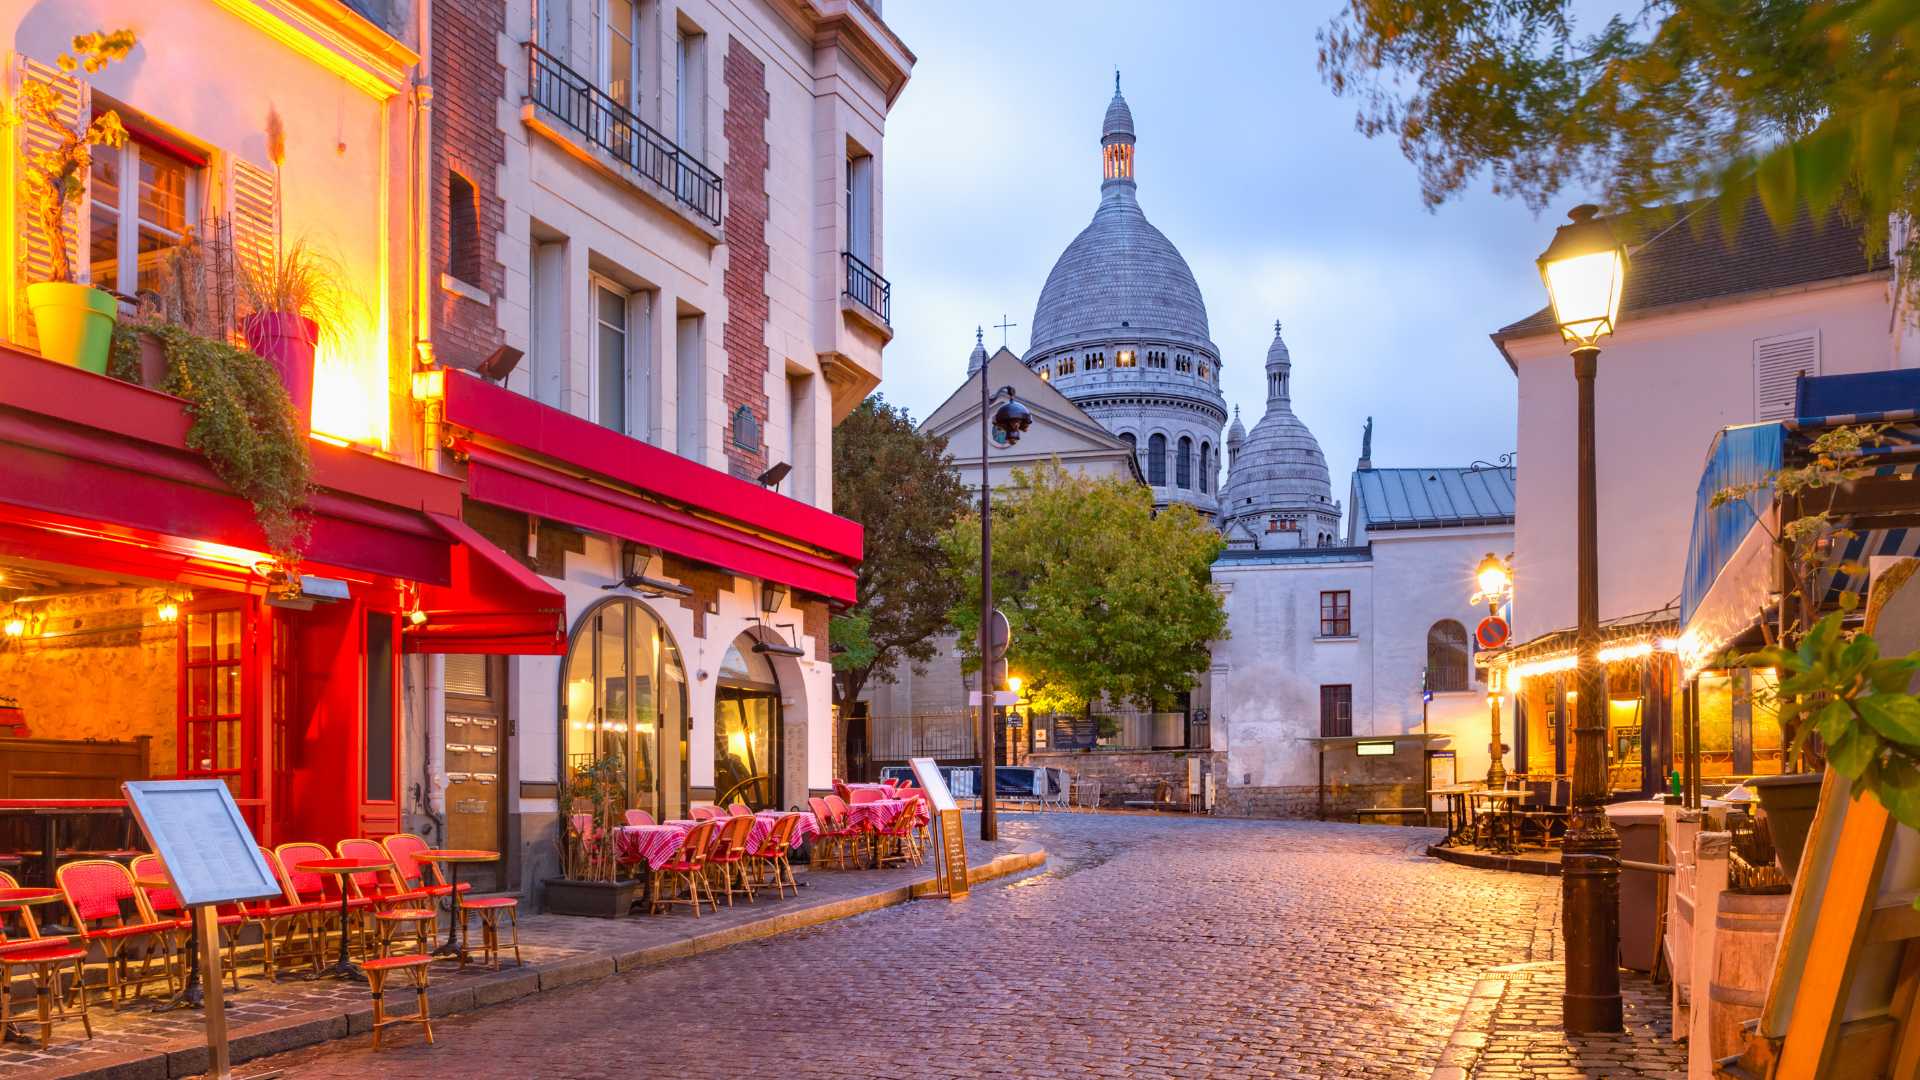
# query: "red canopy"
493 605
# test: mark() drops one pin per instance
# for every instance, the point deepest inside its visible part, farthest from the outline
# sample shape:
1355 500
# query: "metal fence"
951 736
944 735
573 99
865 284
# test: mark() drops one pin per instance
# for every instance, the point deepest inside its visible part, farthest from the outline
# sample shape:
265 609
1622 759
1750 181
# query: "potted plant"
287 299
591 884
74 320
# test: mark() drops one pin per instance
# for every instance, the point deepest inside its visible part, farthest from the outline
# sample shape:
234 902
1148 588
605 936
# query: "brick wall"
468 84
744 282
1130 774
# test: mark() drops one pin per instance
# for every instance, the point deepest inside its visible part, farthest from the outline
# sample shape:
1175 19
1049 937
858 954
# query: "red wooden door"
218 714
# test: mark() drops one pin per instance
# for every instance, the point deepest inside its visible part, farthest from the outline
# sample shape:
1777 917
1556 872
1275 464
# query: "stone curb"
1469 1035
1486 860
188 1057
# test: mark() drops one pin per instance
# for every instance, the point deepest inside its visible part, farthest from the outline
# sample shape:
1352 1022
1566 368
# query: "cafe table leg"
452 947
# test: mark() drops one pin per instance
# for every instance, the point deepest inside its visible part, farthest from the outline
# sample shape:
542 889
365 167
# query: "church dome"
1279 469
1119 117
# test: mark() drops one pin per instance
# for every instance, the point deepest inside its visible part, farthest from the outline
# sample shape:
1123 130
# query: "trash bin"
1638 824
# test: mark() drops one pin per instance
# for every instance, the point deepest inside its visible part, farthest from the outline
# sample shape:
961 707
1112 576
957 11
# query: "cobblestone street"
1158 945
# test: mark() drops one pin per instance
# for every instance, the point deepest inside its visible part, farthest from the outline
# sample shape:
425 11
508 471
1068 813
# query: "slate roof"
1689 259
1389 499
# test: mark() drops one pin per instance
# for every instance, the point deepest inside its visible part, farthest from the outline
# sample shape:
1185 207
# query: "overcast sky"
1249 165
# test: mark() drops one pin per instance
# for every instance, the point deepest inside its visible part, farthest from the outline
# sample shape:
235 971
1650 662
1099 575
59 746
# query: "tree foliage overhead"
900 486
1106 598
1803 102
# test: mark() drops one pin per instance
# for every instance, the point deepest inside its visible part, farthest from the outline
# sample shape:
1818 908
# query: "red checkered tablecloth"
881 813
655 844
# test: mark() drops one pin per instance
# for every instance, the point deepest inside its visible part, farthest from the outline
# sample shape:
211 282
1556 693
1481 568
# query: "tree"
1106 598
901 487
1809 104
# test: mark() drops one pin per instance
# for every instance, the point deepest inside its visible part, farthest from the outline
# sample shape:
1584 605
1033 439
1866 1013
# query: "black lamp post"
1495 579
1002 426
1585 269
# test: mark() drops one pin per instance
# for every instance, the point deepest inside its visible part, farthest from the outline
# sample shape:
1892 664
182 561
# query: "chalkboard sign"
950 859
196 829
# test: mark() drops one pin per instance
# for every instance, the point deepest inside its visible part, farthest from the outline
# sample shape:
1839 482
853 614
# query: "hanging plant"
244 424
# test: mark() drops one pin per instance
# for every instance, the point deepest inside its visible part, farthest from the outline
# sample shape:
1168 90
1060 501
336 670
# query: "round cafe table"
452 858
190 996
341 868
23 898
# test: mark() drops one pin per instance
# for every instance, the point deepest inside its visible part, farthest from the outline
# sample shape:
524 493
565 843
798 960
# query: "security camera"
1009 421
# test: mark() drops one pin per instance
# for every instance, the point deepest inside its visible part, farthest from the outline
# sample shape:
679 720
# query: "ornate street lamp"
1002 427
1585 271
1496 585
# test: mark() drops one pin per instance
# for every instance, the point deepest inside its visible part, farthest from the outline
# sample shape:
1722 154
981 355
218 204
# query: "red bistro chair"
689 866
739 809
162 903
44 958
771 855
705 813
95 889
639 817
728 858
866 795
402 847
396 908
834 837
309 887
286 921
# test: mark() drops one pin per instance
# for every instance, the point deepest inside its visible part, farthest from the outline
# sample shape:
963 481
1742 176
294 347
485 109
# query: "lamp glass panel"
1585 290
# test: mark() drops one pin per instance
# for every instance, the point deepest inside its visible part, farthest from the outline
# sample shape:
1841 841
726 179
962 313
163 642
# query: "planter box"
593 899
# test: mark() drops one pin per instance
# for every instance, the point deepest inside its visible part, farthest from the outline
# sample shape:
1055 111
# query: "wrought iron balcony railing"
606 124
865 284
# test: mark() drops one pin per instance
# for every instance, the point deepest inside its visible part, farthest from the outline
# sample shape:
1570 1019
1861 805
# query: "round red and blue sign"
1492 632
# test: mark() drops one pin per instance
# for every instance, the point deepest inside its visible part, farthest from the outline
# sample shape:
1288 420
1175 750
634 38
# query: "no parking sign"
1492 632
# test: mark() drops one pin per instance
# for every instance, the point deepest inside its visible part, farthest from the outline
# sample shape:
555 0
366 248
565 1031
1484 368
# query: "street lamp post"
1496 584
1584 270
1004 427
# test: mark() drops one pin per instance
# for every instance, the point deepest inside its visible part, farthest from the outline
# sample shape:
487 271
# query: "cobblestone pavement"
1511 1029
1151 946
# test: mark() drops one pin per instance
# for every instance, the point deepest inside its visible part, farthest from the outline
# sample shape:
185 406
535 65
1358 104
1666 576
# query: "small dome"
1119 122
1236 434
1279 465
1277 352
978 358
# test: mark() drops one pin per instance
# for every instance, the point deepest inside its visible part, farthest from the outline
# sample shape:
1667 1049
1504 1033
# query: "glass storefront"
625 697
746 730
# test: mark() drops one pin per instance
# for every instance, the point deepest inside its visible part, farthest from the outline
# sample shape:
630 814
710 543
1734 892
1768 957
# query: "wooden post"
206 920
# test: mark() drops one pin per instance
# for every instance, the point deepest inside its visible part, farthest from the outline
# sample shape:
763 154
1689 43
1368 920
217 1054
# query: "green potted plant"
590 884
287 300
73 319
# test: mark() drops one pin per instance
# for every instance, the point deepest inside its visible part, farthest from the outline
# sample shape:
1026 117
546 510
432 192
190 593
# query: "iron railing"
898 738
571 98
865 284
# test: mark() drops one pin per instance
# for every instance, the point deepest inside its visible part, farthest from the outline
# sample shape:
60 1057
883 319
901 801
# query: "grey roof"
1119 119
1432 498
1236 434
1120 270
979 354
1230 557
1280 465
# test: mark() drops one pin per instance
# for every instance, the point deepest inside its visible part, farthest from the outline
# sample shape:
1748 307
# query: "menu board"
196 829
952 853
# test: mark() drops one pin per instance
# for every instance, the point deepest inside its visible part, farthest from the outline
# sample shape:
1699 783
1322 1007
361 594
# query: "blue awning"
1740 455
1830 400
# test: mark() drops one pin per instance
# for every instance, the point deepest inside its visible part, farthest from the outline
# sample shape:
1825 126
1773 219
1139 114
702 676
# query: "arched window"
1206 466
1157 460
1447 656
747 729
625 698
1183 464
1132 444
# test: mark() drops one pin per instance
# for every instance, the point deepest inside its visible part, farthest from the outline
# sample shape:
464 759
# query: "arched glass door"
625 697
746 729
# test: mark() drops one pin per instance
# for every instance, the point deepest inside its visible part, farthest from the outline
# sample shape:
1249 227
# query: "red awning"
493 604
526 486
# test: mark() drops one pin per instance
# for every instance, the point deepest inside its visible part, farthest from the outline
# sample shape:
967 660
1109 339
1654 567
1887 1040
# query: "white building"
1335 642
678 210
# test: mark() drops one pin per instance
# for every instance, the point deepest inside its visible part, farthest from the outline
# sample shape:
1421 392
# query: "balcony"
867 288
610 131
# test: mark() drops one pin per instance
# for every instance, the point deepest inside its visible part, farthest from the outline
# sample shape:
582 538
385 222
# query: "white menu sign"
196 829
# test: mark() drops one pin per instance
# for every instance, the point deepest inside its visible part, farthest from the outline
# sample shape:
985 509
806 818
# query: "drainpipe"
434 760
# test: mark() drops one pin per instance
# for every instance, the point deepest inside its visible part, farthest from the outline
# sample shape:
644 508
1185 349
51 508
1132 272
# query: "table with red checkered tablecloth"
656 844
880 814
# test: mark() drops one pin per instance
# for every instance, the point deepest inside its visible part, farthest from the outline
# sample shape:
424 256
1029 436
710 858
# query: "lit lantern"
1585 270
168 611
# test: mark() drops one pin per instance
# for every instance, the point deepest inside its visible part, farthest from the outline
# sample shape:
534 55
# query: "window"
547 342
1123 358
1066 365
1183 464
625 697
620 389
1128 438
1045 376
619 54
1095 361
1778 363
1157 460
463 229
1206 467
1336 613
1203 373
690 394
1446 656
860 206
689 103
1336 710
800 435
379 738
143 200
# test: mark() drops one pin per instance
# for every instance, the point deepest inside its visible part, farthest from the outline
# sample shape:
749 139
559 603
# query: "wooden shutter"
251 206
1777 365
32 244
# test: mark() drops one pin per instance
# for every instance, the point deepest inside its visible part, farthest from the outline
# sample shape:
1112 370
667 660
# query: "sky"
1249 165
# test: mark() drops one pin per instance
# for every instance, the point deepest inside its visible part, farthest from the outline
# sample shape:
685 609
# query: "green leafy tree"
1804 102
1107 599
901 487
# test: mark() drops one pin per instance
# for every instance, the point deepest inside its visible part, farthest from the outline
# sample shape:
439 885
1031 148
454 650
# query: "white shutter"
251 207
1778 363
33 245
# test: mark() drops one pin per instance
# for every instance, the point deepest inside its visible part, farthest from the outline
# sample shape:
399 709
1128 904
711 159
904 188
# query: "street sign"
1000 697
1492 632
1000 633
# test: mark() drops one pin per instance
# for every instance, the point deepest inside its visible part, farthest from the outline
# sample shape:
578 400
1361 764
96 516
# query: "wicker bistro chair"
832 840
397 911
770 858
858 836
866 795
308 887
377 970
161 904
45 959
739 809
639 817
401 848
689 867
728 859
289 926
95 891
898 841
